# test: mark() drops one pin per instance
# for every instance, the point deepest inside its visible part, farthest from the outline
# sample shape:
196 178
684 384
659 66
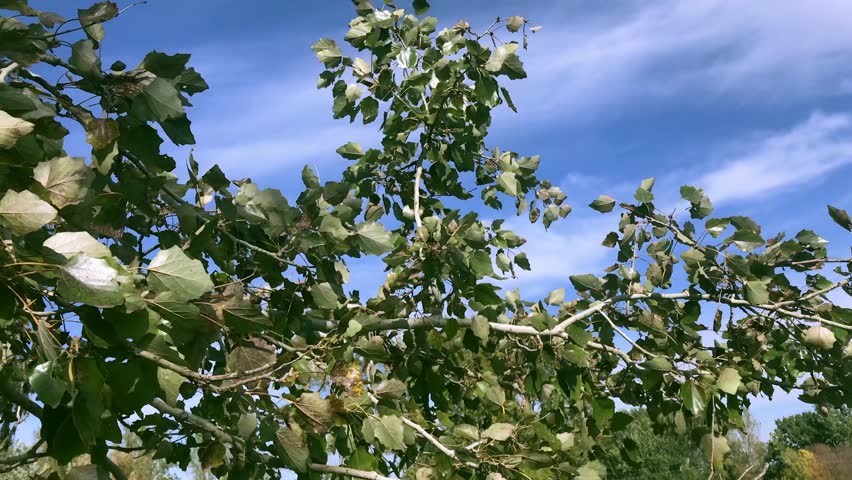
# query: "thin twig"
626 337
347 472
417 220
434 441
203 423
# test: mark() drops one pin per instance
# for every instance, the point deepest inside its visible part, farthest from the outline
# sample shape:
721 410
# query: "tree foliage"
793 434
645 449
212 315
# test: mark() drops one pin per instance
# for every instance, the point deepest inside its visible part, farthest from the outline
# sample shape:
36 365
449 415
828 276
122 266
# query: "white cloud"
808 151
756 168
568 248
760 50
269 154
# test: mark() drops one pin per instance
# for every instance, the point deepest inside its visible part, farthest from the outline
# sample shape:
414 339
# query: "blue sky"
749 100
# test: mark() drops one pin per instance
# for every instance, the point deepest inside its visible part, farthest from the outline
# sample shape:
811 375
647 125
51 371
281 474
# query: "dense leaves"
212 317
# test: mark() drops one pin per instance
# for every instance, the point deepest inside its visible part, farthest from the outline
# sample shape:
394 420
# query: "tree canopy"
210 314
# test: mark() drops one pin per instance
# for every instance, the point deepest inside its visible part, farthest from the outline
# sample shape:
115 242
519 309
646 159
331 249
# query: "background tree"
128 290
831 428
644 450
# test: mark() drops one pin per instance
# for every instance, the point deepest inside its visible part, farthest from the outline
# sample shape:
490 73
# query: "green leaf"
92 18
811 239
586 282
247 425
373 238
69 244
92 281
505 61
480 263
172 271
23 212
324 296
840 217
170 383
11 129
522 261
421 7
332 227
692 397
658 363
327 52
503 262
179 130
390 388
353 92
87 410
700 203
369 109
729 381
499 431
212 456
335 192
351 151
387 429
746 240
46 386
644 195
294 449
66 179
508 184
163 65
50 19
756 292
603 204
480 327
592 471
158 101
715 448
309 178
85 59
555 297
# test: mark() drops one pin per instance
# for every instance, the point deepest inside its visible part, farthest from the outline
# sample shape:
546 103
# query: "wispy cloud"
267 118
748 169
808 151
767 51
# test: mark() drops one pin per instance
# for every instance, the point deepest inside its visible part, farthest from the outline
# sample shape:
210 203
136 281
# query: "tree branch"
5 71
113 469
434 441
203 423
205 379
30 454
347 472
8 390
417 220
626 337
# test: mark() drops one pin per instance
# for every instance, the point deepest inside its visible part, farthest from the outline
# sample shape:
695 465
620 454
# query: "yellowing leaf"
729 381
11 129
69 244
23 212
820 336
172 271
67 179
499 431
